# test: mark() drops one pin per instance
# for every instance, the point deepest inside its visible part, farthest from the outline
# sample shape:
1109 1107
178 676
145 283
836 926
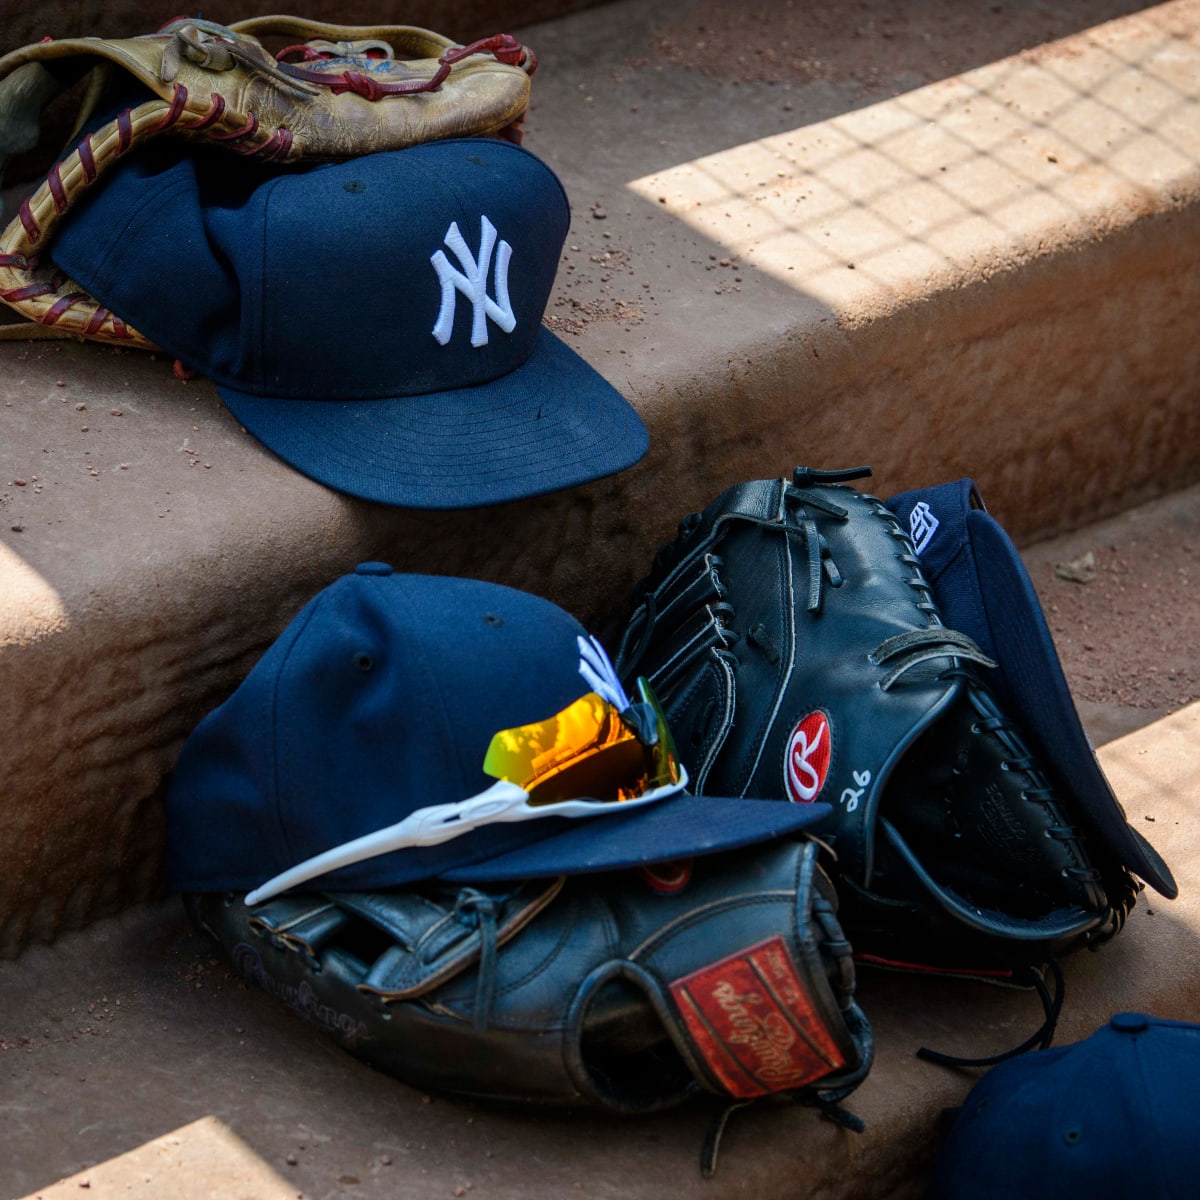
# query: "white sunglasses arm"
502 802
425 827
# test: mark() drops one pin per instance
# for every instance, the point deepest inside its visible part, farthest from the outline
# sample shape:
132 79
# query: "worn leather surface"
728 975
800 655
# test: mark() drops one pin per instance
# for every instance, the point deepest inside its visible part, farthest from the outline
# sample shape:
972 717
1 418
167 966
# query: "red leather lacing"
216 107
119 328
57 191
124 131
32 229
503 46
249 129
87 160
178 100
308 54
61 306
31 291
276 146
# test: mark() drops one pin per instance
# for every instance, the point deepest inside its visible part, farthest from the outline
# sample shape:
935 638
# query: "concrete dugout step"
940 241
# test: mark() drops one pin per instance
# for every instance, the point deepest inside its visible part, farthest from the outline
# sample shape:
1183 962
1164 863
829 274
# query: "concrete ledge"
140 1067
993 273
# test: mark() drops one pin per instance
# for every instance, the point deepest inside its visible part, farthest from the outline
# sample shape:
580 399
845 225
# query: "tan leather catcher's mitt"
335 93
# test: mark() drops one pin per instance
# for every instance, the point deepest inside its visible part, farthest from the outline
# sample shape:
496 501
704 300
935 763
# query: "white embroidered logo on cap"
472 282
922 525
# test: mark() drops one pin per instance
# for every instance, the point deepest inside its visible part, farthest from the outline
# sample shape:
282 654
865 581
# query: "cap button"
373 568
1130 1022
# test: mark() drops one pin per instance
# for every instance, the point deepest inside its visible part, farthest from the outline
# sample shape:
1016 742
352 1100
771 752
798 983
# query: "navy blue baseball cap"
377 707
1111 1117
375 323
983 590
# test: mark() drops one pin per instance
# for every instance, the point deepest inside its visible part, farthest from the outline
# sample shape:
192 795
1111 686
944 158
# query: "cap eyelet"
363 661
493 619
1072 1136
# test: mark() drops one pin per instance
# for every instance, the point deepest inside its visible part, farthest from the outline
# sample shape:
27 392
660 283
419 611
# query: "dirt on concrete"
875 44
1123 602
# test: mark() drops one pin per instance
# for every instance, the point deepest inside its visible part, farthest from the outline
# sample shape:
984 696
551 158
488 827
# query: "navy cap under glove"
1109 1118
380 699
375 323
983 590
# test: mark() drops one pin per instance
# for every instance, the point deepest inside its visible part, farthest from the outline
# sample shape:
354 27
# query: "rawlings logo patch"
753 1021
806 763
249 965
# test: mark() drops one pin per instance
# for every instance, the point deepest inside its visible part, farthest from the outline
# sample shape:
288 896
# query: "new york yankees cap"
375 323
1109 1117
379 704
983 590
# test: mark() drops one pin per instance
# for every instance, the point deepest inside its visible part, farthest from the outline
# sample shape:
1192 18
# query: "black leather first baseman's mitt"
726 976
799 654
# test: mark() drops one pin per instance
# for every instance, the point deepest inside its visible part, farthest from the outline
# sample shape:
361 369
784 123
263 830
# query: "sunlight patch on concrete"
971 174
1156 768
201 1161
30 606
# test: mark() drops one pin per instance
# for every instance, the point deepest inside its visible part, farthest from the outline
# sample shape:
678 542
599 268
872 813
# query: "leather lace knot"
478 910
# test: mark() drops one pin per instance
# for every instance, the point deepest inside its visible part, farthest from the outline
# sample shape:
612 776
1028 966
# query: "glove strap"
1041 1038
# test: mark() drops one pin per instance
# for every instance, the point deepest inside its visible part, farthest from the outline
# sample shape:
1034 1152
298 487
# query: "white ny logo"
472 282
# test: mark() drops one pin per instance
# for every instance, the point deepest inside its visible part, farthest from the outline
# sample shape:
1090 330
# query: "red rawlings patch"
753 1021
806 763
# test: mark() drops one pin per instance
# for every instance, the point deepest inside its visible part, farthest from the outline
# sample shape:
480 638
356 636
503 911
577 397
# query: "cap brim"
680 827
552 423
984 591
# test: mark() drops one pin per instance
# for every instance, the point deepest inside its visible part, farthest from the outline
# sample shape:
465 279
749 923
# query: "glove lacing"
905 651
478 910
826 1102
1041 1038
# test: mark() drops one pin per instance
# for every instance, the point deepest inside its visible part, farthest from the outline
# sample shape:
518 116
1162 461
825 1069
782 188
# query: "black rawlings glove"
799 655
631 991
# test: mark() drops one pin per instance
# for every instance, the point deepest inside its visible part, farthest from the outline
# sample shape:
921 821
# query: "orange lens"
587 750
